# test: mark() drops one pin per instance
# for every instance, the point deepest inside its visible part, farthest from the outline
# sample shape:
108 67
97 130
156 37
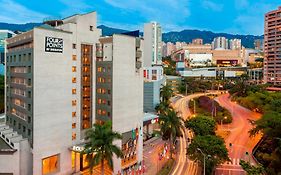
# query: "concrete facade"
153 44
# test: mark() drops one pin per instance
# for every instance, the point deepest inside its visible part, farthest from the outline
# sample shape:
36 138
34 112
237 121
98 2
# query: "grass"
167 167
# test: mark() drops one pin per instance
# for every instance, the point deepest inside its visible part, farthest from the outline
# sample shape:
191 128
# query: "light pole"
222 120
204 160
194 107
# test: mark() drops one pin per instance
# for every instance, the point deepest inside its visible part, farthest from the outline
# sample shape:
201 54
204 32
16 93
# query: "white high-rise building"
220 43
235 44
61 79
152 44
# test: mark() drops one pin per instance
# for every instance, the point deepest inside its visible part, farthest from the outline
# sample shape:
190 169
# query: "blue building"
3 35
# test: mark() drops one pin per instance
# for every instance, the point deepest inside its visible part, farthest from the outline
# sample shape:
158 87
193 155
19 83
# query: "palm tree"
166 92
100 147
170 126
163 107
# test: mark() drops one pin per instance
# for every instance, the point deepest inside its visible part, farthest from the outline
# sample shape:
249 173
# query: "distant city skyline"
235 17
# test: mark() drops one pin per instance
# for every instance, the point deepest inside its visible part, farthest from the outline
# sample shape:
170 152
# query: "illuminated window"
73 157
73 79
74 102
99 101
99 69
103 112
73 91
99 90
99 111
74 58
73 125
73 68
50 164
73 114
73 136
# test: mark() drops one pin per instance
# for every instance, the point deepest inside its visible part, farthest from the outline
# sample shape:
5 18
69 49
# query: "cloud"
13 12
166 12
207 4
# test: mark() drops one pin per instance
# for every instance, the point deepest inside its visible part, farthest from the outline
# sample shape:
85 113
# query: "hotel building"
56 90
272 47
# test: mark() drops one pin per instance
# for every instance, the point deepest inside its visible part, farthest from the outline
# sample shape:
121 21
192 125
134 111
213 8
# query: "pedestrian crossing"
233 161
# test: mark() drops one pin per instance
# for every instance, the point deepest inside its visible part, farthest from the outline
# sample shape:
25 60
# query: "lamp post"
222 120
204 160
194 107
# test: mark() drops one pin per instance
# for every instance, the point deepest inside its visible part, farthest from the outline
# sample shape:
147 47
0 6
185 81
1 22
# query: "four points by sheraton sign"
53 44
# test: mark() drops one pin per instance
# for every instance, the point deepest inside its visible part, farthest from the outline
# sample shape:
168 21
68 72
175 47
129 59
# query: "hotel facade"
61 78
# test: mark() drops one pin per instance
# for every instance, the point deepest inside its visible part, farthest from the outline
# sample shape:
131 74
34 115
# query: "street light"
222 120
194 108
204 160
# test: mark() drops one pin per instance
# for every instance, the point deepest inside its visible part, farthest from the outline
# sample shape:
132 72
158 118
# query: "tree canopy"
212 147
201 125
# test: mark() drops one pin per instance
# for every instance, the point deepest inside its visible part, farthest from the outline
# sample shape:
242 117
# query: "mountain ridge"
185 35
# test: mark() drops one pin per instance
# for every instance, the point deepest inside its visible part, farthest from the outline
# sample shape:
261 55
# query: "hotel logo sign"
53 44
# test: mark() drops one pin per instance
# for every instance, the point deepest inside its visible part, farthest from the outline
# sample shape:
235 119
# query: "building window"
73 46
99 69
108 103
99 111
73 90
73 136
29 119
73 125
73 68
108 114
99 101
108 91
73 79
50 164
74 102
74 57
23 129
91 28
73 114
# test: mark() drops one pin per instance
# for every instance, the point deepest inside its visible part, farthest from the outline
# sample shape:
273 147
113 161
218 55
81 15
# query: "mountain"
182 36
18 27
207 36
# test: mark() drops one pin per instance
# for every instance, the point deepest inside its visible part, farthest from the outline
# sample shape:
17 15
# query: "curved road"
183 165
238 137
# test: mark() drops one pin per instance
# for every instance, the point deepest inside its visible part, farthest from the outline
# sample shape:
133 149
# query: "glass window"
73 114
73 68
73 91
73 136
74 58
50 164
74 102
73 79
91 28
73 46
73 125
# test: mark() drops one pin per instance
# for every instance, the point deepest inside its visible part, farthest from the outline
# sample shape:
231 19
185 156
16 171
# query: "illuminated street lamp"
222 120
204 160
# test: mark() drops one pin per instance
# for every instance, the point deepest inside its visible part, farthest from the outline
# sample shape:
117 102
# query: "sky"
230 16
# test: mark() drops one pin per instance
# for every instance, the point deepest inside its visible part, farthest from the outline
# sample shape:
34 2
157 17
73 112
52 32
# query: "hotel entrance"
81 165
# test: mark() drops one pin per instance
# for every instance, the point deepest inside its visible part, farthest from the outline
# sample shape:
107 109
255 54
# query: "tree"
100 147
201 125
163 107
251 169
212 147
269 124
166 93
170 127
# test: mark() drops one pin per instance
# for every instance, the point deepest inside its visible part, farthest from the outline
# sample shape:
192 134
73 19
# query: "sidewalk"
151 151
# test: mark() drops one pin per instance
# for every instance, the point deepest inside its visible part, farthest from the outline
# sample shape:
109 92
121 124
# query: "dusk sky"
232 16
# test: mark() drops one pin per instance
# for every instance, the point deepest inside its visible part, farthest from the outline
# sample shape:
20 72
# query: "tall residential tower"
272 47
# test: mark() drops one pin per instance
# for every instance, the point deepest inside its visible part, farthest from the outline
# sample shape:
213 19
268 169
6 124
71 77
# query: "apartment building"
272 47
153 44
56 91
220 43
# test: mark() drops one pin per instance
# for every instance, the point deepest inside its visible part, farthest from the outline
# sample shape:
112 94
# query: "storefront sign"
53 44
78 148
